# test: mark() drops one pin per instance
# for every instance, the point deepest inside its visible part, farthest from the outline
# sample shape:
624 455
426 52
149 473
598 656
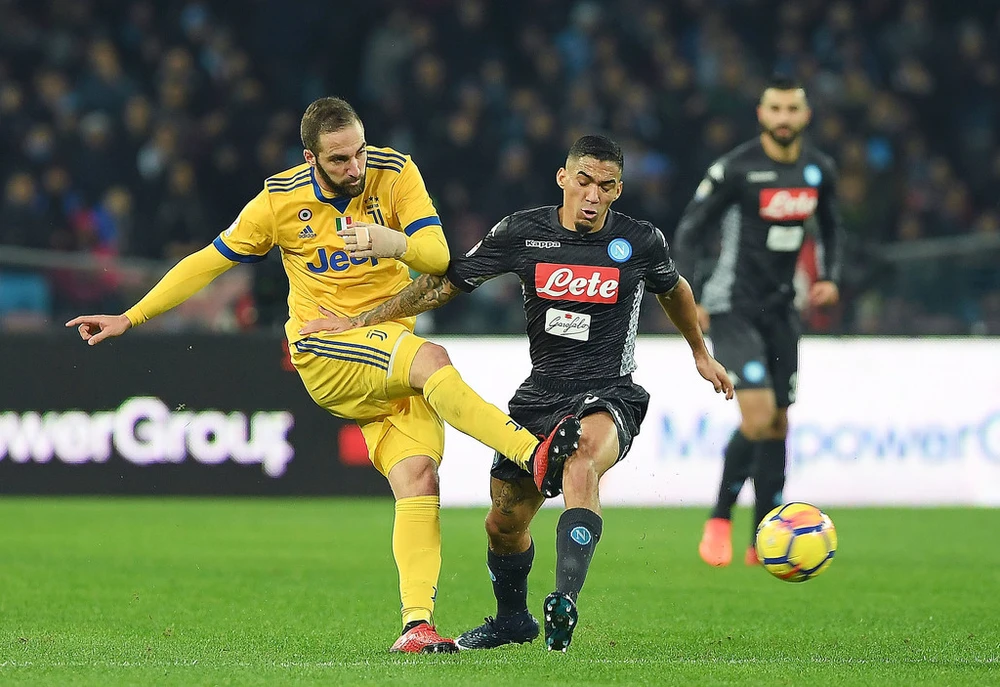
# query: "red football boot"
716 547
422 638
550 455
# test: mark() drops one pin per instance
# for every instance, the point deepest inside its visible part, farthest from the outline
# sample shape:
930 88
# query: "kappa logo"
531 243
307 233
762 177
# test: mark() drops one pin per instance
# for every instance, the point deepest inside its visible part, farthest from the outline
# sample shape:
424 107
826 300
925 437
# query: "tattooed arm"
487 259
424 293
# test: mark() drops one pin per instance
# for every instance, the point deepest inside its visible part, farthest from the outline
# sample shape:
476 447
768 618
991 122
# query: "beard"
583 227
786 139
348 189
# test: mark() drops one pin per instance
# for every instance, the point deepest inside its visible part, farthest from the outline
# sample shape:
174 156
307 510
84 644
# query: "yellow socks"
416 546
466 411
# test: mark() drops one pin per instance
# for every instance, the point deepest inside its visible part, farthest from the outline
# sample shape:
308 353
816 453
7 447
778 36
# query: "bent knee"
414 476
426 481
771 424
434 355
505 530
429 359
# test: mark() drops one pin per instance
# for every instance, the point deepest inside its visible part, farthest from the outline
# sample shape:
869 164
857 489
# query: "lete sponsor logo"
788 204
571 325
144 431
583 283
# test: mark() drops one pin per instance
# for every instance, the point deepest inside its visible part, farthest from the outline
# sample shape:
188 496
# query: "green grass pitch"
294 592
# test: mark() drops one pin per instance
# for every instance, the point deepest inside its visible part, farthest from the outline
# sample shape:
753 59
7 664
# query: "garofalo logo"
145 431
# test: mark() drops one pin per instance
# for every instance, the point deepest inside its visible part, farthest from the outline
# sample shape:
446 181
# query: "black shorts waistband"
576 385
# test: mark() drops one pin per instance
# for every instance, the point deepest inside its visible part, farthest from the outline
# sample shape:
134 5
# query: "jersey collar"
339 202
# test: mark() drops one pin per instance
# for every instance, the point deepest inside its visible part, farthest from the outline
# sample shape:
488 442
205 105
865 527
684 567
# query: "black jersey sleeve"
489 258
716 192
831 231
661 276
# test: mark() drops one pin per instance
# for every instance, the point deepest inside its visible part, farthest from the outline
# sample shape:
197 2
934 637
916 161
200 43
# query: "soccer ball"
796 542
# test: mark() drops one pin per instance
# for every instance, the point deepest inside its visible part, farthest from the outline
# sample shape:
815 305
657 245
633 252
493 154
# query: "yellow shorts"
363 375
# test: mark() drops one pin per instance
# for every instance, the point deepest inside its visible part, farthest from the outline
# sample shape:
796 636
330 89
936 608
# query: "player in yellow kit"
396 385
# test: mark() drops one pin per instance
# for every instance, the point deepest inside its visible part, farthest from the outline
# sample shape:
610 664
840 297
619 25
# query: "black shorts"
759 351
539 403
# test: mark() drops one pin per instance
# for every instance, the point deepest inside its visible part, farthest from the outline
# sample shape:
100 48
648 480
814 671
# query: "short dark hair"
781 82
325 116
600 148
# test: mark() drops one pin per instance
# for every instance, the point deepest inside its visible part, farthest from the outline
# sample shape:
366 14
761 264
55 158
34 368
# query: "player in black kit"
761 194
584 270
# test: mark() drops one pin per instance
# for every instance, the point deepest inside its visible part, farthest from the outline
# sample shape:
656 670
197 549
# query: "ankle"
412 624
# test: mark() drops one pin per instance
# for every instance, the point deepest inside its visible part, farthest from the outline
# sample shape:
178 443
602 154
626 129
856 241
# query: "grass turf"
272 592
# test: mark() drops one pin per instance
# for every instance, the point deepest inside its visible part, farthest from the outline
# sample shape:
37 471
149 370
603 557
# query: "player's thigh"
362 375
356 374
599 445
411 428
618 412
739 346
782 340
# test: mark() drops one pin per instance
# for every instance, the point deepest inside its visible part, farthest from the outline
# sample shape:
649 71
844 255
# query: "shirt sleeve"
831 231
427 248
661 276
716 192
251 235
184 279
489 258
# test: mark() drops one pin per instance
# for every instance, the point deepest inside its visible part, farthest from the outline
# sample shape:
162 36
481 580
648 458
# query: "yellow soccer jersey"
294 213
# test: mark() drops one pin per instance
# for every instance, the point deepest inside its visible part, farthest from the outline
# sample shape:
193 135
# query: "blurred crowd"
136 128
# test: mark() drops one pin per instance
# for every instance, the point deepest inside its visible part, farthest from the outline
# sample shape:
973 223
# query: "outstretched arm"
426 292
680 307
185 279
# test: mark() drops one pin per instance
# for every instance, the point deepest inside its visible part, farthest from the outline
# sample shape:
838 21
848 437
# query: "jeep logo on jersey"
336 261
584 283
788 204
